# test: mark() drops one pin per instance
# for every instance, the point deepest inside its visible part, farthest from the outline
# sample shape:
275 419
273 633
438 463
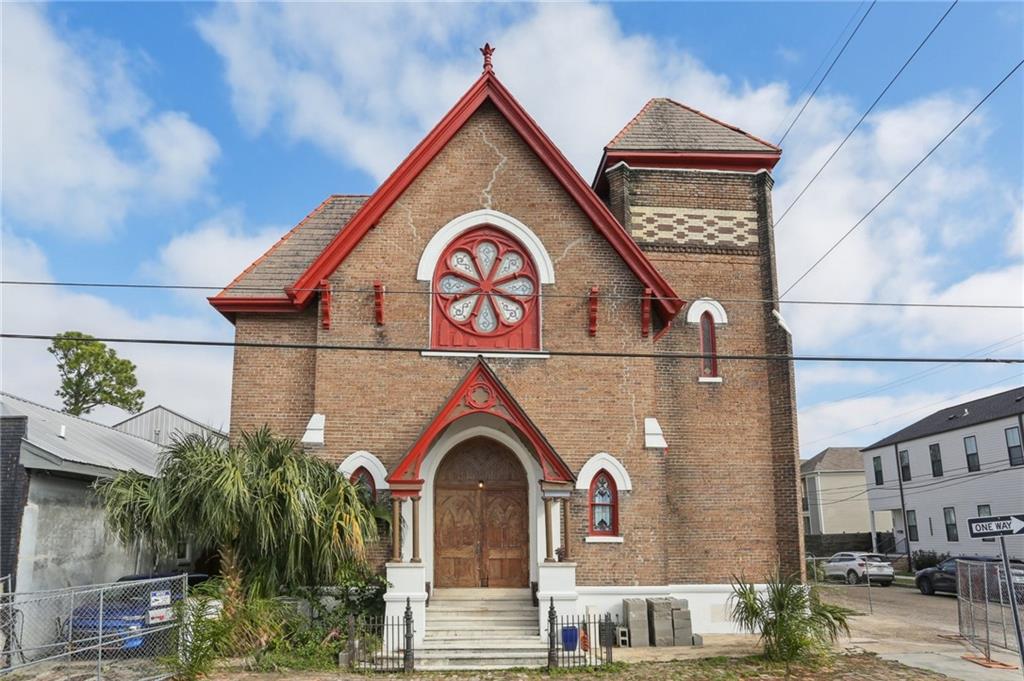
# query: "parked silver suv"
855 566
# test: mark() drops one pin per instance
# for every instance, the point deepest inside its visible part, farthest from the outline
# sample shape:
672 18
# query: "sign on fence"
158 599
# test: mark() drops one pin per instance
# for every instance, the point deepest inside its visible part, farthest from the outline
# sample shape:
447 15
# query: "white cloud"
63 105
212 254
194 381
811 376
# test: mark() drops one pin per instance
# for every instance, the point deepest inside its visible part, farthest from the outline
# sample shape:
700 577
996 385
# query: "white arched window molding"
602 461
702 305
444 236
364 459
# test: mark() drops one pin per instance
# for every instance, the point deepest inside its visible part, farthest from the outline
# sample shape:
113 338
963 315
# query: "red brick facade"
722 500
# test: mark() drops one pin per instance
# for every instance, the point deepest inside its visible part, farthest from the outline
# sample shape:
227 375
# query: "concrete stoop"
481 629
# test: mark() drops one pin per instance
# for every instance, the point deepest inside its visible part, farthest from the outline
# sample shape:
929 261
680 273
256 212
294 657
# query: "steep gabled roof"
487 88
666 125
667 134
834 459
963 415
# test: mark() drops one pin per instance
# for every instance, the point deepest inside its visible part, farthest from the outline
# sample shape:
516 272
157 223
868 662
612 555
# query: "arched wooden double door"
481 518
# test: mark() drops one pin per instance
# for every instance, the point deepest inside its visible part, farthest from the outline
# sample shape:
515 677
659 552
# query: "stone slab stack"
634 614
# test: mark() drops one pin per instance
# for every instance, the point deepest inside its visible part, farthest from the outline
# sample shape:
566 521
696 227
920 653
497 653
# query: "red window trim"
614 530
706 318
362 473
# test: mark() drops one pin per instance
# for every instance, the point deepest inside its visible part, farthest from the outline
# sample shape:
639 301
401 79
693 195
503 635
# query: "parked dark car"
124 614
943 577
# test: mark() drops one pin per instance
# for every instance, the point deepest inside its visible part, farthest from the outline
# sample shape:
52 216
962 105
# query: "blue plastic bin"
570 638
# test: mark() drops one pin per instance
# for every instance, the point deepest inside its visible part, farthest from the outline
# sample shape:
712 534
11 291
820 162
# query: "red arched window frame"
487 294
708 346
362 477
603 498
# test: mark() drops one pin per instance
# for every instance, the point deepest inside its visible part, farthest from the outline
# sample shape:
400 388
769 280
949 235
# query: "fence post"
609 637
351 645
99 650
988 633
552 640
408 659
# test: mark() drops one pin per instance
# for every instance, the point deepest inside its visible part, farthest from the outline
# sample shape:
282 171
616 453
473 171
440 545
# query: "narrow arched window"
709 363
361 478
604 505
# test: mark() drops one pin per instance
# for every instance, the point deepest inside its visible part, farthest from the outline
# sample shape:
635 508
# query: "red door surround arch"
487 293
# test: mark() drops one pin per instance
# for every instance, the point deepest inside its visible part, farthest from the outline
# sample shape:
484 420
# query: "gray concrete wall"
63 538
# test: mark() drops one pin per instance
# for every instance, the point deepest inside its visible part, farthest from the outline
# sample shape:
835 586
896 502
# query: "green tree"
280 518
793 621
91 374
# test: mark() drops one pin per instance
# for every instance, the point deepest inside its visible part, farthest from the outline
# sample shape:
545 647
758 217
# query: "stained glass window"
361 478
487 283
603 502
709 363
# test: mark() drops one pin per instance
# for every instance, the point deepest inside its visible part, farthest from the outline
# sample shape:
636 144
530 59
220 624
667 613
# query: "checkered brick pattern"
694 227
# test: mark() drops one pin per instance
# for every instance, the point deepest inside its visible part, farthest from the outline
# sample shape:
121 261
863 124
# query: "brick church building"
508 395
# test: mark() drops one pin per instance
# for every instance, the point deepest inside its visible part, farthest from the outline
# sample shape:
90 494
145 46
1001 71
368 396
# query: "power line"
916 409
828 71
893 486
939 484
865 114
538 353
903 179
600 296
814 74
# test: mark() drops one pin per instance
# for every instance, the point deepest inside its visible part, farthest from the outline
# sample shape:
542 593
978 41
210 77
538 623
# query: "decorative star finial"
487 51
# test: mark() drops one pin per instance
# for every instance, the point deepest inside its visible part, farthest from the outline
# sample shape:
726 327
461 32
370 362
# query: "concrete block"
634 614
659 620
682 628
698 641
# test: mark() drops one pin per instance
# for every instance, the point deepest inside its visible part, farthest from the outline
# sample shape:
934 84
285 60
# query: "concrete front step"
503 633
481 619
481 629
443 659
469 644
485 594
482 608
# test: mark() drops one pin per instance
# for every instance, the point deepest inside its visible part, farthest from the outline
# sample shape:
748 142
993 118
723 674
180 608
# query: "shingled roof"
834 459
666 125
963 415
280 266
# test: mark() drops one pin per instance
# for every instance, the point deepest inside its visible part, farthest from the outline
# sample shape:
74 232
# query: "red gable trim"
487 88
480 392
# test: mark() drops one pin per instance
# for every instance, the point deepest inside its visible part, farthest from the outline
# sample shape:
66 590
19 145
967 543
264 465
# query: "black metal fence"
579 640
382 644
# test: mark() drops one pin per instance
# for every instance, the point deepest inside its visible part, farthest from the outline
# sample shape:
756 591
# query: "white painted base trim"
486 355
407 581
709 379
604 540
709 603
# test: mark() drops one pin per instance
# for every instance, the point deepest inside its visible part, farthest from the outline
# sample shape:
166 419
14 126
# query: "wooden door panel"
507 543
457 538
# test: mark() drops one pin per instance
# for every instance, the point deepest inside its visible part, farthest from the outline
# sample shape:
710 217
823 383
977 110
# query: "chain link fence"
119 631
984 610
863 571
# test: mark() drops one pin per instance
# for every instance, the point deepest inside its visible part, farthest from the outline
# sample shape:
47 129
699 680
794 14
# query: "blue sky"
172 143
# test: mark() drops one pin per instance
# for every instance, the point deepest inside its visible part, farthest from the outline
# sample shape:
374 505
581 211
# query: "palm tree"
278 517
790 617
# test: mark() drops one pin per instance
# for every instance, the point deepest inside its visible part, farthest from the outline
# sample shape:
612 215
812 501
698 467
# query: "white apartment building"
829 484
957 463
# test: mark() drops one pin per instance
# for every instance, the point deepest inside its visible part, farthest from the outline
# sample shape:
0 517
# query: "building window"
362 479
604 515
949 513
905 466
803 497
971 450
985 510
912 525
936 455
879 478
1013 446
488 294
931 528
709 363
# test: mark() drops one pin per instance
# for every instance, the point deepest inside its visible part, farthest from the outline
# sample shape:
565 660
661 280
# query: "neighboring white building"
52 525
830 482
958 463
158 424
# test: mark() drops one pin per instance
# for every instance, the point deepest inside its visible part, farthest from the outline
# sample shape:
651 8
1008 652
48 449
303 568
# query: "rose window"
486 283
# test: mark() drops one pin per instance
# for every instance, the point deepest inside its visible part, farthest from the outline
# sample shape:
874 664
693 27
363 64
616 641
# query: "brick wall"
13 491
680 520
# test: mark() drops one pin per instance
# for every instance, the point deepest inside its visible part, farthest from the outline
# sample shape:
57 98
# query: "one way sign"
996 525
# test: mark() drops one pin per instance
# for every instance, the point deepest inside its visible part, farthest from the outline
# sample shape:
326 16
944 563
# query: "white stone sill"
604 540
486 355
709 379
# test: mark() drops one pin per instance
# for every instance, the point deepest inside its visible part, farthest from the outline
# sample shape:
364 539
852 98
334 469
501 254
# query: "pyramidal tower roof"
666 125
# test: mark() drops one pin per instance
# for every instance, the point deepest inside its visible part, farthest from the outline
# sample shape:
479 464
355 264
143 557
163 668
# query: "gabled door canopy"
480 392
